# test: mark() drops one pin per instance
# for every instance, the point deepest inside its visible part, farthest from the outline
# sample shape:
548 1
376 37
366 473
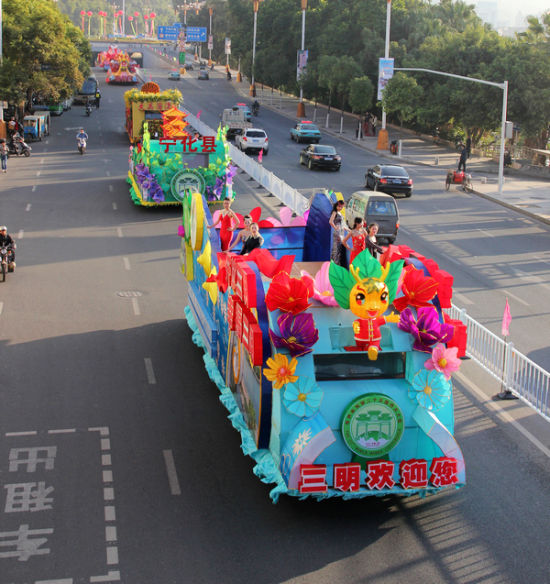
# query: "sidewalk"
526 194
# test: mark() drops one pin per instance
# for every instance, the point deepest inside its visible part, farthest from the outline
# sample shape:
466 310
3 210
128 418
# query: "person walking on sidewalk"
4 155
462 160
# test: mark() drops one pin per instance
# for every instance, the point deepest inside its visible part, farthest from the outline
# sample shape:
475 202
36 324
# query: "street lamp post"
210 37
252 85
383 141
301 113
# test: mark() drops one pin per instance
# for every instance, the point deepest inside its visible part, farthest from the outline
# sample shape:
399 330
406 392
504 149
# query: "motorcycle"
18 146
88 109
81 145
6 259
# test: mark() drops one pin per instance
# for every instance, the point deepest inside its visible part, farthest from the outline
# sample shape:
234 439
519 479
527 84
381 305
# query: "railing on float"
517 373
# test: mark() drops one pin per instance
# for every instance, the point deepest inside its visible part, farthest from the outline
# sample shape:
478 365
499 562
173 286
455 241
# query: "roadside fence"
518 375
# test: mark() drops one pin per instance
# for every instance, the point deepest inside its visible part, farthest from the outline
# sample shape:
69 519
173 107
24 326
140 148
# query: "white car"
252 139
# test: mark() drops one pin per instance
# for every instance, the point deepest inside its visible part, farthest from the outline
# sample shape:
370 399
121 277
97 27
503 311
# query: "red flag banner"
506 320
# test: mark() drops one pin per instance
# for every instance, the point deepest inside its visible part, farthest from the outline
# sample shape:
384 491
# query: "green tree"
43 52
402 97
361 94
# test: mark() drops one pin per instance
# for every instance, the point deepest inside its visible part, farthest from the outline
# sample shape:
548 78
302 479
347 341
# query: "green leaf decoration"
369 266
392 278
342 282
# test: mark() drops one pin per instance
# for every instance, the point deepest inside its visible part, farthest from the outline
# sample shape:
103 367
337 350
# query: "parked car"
246 110
374 207
203 74
321 156
174 75
305 132
252 139
389 178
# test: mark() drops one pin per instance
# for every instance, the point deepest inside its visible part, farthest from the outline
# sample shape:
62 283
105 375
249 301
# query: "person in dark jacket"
253 241
462 160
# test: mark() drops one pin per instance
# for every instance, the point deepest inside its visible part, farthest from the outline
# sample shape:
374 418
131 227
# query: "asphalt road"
117 462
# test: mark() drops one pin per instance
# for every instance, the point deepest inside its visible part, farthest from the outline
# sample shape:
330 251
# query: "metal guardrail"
284 192
516 372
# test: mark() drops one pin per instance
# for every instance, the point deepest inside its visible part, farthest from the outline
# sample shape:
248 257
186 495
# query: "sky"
508 10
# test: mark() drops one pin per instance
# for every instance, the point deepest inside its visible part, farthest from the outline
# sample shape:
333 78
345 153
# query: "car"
203 74
374 207
305 132
174 75
252 139
188 66
321 156
389 178
246 110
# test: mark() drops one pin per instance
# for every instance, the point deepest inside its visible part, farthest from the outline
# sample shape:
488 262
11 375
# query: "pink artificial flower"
443 360
286 219
322 288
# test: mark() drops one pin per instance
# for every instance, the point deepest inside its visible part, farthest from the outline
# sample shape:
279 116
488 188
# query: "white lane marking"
58 581
112 555
172 473
115 206
41 161
111 188
530 278
20 234
110 533
39 173
108 172
29 433
119 232
1 307
33 188
105 444
504 415
517 298
111 576
106 460
462 298
28 207
151 379
103 430
126 263
47 142
107 476
108 494
63 431
110 513
135 306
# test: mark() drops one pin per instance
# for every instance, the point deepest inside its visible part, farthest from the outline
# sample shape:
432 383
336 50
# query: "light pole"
383 141
301 113
252 91
210 38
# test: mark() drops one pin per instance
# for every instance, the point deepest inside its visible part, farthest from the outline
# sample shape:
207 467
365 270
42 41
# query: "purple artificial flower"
298 333
426 328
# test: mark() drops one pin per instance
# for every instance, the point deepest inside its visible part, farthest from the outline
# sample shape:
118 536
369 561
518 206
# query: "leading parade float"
337 379
121 69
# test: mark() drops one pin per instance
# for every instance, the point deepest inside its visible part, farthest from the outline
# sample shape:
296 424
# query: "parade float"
168 159
122 71
104 58
337 379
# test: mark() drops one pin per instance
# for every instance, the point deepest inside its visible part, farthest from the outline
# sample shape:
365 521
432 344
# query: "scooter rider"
88 107
255 107
7 241
82 135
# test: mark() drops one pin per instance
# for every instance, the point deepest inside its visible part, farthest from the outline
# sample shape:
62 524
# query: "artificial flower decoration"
417 289
443 360
302 398
286 219
288 294
430 389
298 333
322 288
280 371
426 329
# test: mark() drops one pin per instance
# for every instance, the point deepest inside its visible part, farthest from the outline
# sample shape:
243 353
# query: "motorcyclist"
7 241
255 107
18 143
82 135
88 107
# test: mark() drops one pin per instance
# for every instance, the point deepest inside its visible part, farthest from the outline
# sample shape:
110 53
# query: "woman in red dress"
227 217
358 236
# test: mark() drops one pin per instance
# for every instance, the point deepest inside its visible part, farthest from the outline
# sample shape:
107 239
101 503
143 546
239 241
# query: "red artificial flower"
417 289
288 294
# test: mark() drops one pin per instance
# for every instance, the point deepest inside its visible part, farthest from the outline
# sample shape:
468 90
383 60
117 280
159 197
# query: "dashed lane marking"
151 379
28 207
172 472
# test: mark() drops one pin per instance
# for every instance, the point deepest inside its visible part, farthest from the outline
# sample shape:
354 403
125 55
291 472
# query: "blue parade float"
323 408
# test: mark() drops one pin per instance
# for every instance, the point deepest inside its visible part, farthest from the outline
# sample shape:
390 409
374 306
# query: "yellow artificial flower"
280 370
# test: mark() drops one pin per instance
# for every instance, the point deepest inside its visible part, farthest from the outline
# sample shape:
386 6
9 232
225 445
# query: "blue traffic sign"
196 34
168 33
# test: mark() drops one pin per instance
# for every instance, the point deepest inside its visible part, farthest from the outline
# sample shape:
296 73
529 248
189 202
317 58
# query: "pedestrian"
374 122
4 154
468 146
97 98
336 221
370 241
462 159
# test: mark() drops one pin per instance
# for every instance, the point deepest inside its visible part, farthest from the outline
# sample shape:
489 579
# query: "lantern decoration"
152 17
89 14
83 15
146 18
131 20
119 20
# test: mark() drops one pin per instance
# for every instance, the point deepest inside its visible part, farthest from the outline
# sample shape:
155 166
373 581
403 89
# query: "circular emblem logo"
186 179
372 425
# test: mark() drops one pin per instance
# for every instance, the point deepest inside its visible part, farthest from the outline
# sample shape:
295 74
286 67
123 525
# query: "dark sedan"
389 178
321 156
